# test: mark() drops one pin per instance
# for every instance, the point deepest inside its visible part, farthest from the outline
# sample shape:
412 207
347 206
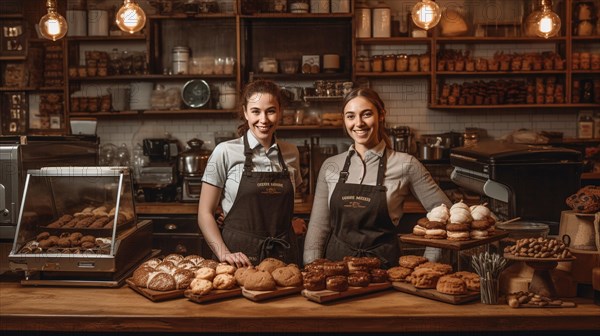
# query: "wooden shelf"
473 39
308 128
500 73
393 40
30 88
183 16
590 176
298 16
116 38
393 74
301 76
595 39
153 112
323 98
509 106
585 72
151 77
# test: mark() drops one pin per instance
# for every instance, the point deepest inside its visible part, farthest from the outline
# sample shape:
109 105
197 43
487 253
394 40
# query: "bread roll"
260 281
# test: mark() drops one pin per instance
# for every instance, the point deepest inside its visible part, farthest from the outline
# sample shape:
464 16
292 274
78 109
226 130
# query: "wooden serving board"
214 295
435 295
265 295
457 245
329 295
154 295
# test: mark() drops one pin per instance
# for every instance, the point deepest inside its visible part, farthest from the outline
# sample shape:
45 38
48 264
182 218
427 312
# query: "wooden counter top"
412 205
121 309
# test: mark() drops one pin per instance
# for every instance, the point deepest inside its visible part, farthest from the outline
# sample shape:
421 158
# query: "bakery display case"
78 226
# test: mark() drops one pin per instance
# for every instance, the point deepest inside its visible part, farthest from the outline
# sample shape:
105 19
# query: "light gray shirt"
404 174
226 165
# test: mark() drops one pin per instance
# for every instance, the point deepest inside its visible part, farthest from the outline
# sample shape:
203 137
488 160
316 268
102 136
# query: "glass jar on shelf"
389 63
401 62
363 64
377 63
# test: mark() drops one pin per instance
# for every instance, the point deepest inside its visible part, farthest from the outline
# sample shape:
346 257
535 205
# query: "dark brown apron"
259 223
360 220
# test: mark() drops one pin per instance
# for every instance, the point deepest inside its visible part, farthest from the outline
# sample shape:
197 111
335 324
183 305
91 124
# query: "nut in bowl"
290 66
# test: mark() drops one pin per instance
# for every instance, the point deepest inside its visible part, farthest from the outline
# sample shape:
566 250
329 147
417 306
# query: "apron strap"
360 252
249 154
380 169
267 243
344 173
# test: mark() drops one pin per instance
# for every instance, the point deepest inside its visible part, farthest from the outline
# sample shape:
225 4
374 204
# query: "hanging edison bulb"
426 14
130 17
547 23
53 26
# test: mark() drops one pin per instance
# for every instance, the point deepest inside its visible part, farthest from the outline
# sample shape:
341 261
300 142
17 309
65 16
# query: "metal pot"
431 152
192 161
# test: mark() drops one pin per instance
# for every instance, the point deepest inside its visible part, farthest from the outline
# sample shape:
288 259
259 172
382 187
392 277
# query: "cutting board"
214 295
434 294
265 295
154 295
329 295
457 245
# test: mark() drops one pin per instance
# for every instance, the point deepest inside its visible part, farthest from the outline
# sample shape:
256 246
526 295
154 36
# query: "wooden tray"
457 245
265 295
329 295
532 259
214 295
435 295
156 296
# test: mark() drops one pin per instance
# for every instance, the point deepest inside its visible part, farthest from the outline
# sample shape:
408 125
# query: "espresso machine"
517 180
159 178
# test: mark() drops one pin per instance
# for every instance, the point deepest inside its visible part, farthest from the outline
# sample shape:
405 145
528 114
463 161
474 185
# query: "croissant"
480 212
439 214
460 215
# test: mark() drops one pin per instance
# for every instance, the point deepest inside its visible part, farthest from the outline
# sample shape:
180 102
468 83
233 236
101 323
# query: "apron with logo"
360 220
259 223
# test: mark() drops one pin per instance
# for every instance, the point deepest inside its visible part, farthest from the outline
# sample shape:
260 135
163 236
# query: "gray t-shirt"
404 175
226 164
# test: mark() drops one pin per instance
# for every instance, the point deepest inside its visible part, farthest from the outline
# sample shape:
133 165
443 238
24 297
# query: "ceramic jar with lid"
382 20
180 58
363 20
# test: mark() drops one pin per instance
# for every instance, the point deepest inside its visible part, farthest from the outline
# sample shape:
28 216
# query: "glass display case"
78 225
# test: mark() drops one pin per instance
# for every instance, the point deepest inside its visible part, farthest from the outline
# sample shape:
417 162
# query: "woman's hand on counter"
237 259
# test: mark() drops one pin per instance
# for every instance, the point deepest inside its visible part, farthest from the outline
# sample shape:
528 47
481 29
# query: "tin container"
180 59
